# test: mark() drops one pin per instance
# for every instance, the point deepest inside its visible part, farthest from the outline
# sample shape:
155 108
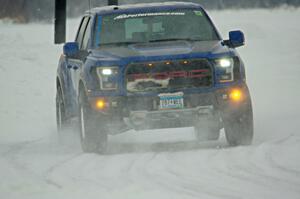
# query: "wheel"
239 128
61 119
93 133
207 129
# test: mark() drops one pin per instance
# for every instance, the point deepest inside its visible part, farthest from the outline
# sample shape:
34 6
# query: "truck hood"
160 49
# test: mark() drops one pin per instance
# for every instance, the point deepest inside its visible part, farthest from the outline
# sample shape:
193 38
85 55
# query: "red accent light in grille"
200 73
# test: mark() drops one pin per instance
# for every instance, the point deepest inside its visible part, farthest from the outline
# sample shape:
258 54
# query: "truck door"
77 63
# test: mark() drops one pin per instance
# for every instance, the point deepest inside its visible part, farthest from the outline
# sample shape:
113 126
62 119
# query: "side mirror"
236 38
71 49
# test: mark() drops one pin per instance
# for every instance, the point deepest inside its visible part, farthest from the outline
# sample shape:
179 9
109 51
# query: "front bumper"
141 120
142 112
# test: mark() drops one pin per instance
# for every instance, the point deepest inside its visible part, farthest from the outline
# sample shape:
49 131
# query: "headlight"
225 63
107 71
224 68
108 77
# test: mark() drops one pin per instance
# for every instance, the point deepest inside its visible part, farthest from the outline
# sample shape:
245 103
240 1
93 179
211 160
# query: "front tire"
93 133
239 127
61 118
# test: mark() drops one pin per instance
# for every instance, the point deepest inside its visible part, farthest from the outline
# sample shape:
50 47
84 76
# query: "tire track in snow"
171 180
233 172
202 179
56 166
134 171
10 156
249 172
269 156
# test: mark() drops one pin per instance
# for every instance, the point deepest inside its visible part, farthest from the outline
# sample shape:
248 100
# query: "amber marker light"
236 95
100 104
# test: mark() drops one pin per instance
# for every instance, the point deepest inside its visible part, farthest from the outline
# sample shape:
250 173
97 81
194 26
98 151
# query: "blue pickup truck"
150 66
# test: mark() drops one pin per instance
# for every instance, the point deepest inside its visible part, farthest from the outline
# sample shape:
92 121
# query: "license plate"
171 101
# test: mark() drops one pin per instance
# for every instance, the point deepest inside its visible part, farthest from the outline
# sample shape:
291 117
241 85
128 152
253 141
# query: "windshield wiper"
175 39
119 43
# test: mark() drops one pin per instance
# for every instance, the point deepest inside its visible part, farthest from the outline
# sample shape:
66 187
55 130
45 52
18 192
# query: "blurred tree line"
23 11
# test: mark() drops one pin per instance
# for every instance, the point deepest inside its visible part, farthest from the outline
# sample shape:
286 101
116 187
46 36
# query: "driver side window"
87 34
81 31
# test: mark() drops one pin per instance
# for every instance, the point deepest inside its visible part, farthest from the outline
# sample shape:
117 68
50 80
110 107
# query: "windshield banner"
126 16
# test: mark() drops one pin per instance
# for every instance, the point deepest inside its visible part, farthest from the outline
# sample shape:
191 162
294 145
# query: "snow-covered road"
36 163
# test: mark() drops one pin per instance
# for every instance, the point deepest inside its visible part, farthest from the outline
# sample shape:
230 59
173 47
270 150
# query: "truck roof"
140 7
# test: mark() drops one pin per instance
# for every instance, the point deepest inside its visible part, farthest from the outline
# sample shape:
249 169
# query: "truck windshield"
143 27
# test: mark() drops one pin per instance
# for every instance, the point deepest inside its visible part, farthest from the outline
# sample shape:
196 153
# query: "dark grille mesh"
141 77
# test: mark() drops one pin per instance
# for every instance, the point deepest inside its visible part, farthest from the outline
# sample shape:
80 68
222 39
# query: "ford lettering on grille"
166 75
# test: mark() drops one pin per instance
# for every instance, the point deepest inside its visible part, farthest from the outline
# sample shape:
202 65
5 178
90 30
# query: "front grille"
168 75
